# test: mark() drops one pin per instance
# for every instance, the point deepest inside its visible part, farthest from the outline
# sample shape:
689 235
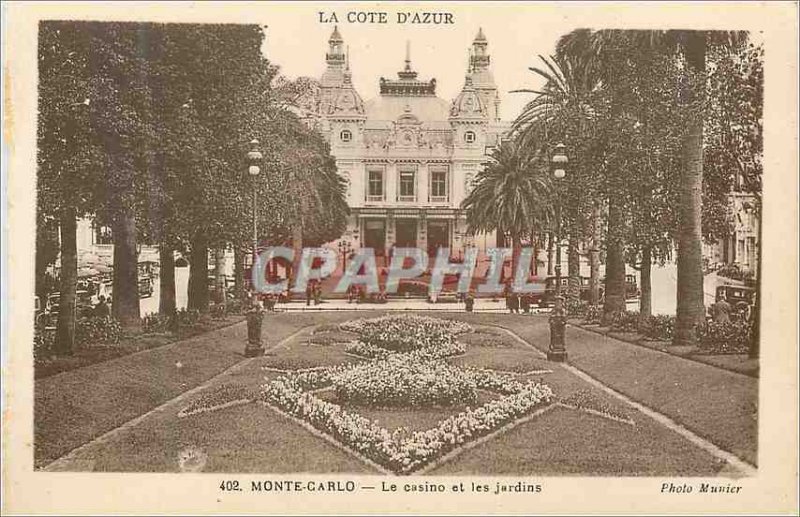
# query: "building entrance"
406 230
375 235
438 236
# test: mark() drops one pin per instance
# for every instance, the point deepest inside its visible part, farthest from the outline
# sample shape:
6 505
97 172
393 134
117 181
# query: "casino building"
409 156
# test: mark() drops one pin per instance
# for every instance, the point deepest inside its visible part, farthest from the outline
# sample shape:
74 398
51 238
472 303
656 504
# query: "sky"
297 41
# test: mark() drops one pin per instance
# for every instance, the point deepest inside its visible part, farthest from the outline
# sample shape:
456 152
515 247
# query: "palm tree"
564 108
512 195
691 47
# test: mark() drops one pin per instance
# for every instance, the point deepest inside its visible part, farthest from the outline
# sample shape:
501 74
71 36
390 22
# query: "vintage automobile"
740 298
145 286
547 296
631 287
586 289
83 306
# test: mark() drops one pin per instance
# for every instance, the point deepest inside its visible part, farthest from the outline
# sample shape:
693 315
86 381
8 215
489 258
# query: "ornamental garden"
397 394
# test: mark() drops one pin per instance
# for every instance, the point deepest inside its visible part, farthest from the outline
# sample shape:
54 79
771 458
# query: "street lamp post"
254 157
344 250
558 318
255 315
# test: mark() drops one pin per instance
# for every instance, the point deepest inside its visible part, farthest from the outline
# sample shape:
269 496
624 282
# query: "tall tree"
68 158
563 111
690 47
511 194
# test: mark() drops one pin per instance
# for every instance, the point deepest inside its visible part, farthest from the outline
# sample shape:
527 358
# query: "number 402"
230 486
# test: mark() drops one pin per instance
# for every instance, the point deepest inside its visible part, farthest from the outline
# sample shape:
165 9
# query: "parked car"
740 298
586 289
631 287
409 288
548 297
145 286
83 305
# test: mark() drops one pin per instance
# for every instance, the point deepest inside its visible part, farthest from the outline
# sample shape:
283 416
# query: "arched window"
346 135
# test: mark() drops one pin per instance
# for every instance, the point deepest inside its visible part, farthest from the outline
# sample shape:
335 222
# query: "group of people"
314 292
358 293
516 302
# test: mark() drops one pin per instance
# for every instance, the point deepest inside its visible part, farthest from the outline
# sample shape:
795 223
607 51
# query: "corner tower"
481 75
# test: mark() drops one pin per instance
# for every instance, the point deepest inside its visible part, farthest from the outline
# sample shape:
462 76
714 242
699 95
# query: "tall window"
408 186
439 183
469 179
375 185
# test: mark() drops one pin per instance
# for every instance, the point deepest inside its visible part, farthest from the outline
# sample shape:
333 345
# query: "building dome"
347 102
424 109
468 105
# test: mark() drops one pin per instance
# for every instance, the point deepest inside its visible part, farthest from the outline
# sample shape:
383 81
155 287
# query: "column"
390 182
422 183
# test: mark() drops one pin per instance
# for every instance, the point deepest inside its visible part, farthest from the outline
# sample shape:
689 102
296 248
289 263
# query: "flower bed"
733 337
403 380
660 327
399 451
433 351
626 321
225 395
407 371
406 333
97 331
430 338
584 400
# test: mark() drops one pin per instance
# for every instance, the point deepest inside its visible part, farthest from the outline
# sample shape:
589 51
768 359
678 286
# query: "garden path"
715 404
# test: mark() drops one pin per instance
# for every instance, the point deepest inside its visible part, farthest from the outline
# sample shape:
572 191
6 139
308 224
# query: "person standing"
317 293
469 301
721 311
101 310
525 303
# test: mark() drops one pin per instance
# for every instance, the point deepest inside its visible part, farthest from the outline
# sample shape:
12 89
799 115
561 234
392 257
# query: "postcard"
400 258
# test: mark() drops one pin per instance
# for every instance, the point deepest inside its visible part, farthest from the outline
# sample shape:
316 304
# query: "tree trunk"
166 280
550 254
516 249
198 273
125 304
573 266
646 300
297 246
691 307
594 257
65 331
615 264
755 342
238 272
219 275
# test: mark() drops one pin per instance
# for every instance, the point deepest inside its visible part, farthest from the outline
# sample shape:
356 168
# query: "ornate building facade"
409 156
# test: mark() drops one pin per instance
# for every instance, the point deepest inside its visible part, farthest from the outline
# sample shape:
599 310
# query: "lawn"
254 438
74 407
92 354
